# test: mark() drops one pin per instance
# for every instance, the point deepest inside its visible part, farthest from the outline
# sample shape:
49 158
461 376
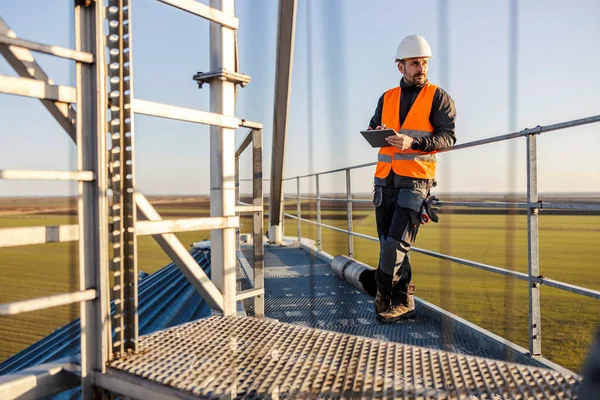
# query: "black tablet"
376 137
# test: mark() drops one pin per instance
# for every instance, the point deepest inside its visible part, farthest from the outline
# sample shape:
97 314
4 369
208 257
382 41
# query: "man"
424 117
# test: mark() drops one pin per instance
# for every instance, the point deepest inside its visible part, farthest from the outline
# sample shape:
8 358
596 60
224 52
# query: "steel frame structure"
100 170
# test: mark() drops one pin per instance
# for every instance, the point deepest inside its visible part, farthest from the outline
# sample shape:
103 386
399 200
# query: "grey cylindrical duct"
356 273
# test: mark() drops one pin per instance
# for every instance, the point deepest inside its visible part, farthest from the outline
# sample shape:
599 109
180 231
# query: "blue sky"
352 52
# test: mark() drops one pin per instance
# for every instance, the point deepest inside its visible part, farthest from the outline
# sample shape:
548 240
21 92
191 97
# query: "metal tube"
24 64
319 237
535 320
245 143
154 109
37 89
258 221
298 210
92 204
43 303
25 236
185 225
222 159
237 199
348 197
52 50
9 174
204 11
286 27
181 257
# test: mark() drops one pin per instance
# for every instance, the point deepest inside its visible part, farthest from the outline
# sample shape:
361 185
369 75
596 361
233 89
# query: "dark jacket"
442 118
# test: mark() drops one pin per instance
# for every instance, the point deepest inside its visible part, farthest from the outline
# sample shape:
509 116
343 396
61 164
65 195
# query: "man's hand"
400 141
378 127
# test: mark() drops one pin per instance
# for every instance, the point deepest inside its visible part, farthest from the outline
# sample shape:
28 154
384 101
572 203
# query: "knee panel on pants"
392 255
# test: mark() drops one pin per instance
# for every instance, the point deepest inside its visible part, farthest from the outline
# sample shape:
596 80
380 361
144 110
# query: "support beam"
204 11
245 143
153 109
40 381
25 66
43 303
11 174
283 78
222 159
57 51
185 225
37 89
24 236
181 257
92 203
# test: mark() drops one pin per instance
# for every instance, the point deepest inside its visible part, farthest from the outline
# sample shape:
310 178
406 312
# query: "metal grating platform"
245 358
301 289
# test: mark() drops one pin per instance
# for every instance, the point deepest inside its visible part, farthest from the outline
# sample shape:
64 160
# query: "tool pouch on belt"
377 196
411 198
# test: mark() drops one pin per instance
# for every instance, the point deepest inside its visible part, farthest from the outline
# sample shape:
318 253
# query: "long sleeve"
443 120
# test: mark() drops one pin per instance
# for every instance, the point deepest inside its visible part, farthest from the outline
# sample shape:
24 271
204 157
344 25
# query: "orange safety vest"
410 163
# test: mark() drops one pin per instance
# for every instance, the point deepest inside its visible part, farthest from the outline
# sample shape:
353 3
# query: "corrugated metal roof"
166 299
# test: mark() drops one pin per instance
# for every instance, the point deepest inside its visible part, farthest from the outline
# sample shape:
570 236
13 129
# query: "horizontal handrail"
160 110
29 235
204 11
486 267
525 132
57 51
43 303
13 174
185 225
37 89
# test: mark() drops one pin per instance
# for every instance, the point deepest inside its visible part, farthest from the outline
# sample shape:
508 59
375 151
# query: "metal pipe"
513 135
319 237
160 110
222 159
535 319
202 10
43 303
358 274
57 51
258 221
245 143
348 197
11 174
92 205
37 89
24 64
298 210
286 27
25 236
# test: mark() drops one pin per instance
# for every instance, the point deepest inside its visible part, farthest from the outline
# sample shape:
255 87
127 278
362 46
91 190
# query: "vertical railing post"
319 238
92 204
237 199
222 159
258 222
349 202
535 329
298 209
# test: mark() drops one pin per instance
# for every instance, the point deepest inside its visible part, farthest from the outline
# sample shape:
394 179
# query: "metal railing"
533 207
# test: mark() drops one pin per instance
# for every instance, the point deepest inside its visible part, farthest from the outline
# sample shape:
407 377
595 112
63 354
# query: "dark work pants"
397 229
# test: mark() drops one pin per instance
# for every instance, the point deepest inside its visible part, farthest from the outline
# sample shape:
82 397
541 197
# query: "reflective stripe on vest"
410 163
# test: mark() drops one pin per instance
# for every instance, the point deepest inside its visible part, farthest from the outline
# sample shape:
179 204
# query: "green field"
569 251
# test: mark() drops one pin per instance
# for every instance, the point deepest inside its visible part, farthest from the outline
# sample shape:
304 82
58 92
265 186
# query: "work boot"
396 312
382 302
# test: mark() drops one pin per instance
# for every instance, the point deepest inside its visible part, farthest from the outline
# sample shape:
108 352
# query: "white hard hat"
413 46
